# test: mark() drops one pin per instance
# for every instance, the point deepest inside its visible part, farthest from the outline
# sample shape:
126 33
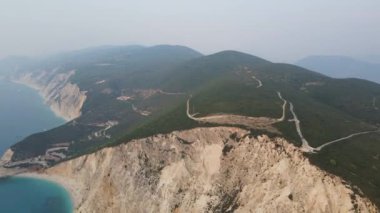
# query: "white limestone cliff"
217 169
63 97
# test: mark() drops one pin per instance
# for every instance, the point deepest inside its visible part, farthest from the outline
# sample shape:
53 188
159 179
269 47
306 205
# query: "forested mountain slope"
135 92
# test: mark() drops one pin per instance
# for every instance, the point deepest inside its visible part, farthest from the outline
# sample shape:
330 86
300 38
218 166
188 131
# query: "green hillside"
161 79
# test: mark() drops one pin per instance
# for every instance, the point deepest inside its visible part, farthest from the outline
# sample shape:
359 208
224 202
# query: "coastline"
71 187
67 185
44 98
64 98
5 172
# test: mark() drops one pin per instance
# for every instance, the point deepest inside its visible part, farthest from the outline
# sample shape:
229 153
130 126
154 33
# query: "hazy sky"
280 30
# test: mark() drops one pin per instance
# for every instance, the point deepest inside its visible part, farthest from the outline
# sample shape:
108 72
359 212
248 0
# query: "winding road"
305 147
305 144
283 107
252 122
265 122
258 81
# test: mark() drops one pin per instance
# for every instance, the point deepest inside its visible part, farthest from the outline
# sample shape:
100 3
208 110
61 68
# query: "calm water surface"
24 195
23 112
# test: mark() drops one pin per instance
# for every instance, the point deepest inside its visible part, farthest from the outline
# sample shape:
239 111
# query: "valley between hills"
140 114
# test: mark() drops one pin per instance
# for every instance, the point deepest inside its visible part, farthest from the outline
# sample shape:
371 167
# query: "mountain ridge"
145 94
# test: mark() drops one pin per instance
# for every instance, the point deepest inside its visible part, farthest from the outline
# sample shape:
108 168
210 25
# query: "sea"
22 113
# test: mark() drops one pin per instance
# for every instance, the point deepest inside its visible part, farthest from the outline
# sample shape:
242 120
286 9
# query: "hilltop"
112 95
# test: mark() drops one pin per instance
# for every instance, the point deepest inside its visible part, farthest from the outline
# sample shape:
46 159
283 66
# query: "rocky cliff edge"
219 169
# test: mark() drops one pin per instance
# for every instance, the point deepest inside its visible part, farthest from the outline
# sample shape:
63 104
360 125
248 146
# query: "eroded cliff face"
64 98
6 157
204 170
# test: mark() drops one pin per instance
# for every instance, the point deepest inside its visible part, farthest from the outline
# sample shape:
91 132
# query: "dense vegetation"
162 78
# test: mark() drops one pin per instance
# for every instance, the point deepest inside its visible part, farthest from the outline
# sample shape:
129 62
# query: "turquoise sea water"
22 112
28 195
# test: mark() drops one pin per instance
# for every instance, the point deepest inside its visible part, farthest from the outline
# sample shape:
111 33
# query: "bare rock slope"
64 98
204 170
